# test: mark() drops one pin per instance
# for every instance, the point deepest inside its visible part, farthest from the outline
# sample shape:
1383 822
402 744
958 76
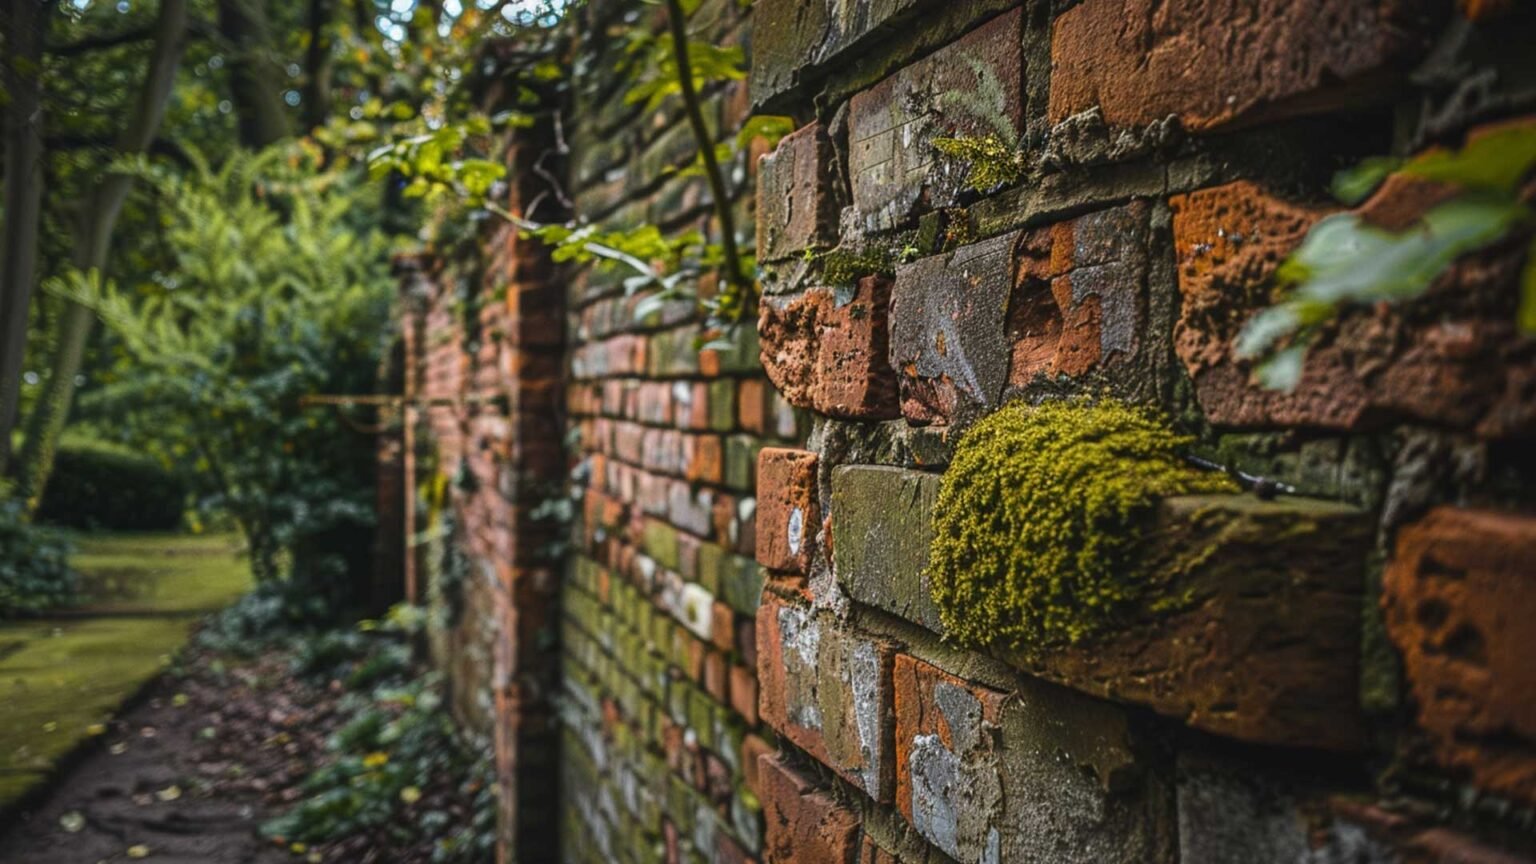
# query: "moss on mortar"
1038 512
992 163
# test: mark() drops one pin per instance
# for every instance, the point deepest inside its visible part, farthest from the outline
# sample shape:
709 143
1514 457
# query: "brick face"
1458 599
805 825
1458 367
1139 61
949 344
828 689
797 195
787 510
971 87
828 352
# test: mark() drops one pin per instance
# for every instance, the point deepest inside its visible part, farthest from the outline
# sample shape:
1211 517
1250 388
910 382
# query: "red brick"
744 694
1077 304
723 629
753 406
832 357
891 126
917 714
1450 357
704 459
797 199
804 824
1460 602
827 688
787 512
753 748
1142 60
715 676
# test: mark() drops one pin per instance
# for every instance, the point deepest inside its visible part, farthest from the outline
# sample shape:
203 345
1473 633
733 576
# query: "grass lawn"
62 676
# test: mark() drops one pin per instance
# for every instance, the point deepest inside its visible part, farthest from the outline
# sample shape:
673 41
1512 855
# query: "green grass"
61 676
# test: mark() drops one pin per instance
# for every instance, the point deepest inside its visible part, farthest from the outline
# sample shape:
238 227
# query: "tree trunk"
317 63
25 24
98 218
256 77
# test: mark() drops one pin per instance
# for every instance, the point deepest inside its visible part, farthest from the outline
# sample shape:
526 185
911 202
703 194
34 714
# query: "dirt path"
146 793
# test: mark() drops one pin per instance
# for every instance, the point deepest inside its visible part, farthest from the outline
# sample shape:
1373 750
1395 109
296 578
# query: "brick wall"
661 727
745 663
1172 155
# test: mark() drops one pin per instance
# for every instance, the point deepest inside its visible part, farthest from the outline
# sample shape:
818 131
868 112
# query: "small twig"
1264 487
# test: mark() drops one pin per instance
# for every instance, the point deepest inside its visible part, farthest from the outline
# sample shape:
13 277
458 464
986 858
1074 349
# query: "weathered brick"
1459 604
792 37
949 342
827 350
828 689
797 195
882 526
970 87
787 514
1046 775
804 824
1080 301
1449 357
1139 61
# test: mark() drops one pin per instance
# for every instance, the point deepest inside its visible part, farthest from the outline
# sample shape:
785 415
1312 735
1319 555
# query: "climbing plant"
452 164
1346 261
1038 514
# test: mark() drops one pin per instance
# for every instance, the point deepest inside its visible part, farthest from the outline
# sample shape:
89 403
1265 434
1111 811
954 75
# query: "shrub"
277 288
99 485
34 565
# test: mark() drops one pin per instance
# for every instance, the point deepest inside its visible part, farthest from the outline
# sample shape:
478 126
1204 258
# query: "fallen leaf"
169 793
72 822
139 851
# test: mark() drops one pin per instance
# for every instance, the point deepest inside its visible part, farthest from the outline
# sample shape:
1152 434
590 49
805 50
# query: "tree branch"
103 41
676 23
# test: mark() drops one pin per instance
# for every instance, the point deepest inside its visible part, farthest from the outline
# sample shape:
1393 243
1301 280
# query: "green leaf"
1495 161
1526 317
1283 370
1352 185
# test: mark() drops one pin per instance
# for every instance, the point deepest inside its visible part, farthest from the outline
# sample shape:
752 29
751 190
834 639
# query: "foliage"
1037 517
1344 260
992 162
399 743
100 485
34 568
709 64
277 288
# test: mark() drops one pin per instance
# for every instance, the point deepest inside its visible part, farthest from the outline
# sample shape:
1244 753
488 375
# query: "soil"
188 775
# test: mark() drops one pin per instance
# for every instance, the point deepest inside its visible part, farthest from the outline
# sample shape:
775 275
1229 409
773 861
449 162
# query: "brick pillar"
533 469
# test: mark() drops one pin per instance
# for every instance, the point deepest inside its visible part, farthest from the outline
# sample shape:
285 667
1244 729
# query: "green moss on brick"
1037 515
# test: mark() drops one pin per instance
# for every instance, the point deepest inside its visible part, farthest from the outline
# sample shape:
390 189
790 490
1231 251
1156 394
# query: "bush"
277 288
34 565
99 485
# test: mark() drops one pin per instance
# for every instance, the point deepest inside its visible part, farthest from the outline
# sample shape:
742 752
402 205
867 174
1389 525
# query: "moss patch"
993 163
1037 515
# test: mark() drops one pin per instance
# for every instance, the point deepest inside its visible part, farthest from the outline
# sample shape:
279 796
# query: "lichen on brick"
1038 514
